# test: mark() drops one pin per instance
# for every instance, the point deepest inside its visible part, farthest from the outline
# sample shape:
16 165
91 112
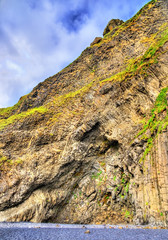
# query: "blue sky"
40 37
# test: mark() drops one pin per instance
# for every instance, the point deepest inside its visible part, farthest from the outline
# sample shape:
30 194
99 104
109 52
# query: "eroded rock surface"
112 25
96 40
85 145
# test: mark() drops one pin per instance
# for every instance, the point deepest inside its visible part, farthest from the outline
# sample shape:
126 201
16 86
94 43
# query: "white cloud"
39 38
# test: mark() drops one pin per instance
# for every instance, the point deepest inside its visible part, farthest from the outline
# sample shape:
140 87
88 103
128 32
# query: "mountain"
90 144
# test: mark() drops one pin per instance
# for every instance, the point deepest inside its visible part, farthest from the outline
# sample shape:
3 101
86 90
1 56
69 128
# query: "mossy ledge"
6 112
21 116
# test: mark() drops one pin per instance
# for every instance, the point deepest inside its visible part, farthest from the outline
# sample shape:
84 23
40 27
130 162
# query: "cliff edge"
90 144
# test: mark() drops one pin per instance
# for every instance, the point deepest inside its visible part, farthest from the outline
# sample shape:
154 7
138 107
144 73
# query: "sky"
38 38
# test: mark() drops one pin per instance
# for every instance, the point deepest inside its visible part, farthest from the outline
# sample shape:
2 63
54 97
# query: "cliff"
90 144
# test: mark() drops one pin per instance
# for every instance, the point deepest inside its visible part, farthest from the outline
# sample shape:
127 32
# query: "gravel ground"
32 231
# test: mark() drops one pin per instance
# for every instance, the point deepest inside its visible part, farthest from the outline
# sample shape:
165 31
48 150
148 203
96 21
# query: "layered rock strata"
90 144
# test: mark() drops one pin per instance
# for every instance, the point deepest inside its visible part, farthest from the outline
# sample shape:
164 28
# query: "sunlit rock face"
90 144
113 24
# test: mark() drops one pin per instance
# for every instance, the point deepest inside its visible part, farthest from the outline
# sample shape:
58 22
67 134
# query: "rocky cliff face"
90 144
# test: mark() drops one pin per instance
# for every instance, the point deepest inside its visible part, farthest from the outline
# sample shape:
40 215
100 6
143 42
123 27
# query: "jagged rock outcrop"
90 144
114 23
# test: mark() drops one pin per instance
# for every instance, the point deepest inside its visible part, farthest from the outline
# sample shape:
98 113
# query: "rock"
106 88
96 40
88 141
112 25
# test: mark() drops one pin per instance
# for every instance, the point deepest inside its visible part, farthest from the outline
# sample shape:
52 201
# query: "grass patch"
5 163
61 100
6 112
49 107
140 64
21 116
156 123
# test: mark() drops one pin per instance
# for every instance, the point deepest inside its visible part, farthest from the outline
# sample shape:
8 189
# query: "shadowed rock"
96 40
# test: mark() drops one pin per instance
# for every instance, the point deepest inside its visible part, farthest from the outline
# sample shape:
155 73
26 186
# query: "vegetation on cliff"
156 123
134 67
65 152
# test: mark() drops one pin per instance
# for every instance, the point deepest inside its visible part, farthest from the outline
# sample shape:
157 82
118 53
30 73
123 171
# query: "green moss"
140 64
21 116
5 163
161 101
61 100
18 161
156 123
97 175
2 160
54 118
6 112
128 23
128 214
57 102
143 9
